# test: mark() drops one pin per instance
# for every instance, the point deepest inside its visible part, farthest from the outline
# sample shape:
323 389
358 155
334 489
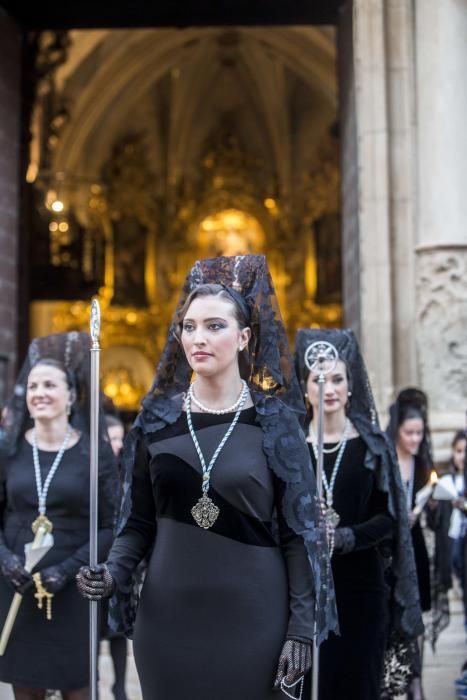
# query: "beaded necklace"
42 490
205 512
331 515
217 411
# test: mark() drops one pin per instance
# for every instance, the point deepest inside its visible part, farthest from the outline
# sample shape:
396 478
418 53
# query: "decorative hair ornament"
239 301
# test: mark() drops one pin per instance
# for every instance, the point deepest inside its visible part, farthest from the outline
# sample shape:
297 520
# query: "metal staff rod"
321 358
95 330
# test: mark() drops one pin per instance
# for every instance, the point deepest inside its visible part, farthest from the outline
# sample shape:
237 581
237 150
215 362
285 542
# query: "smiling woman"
44 448
49 395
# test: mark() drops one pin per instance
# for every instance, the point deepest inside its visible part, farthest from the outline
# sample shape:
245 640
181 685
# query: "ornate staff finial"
321 357
95 323
95 330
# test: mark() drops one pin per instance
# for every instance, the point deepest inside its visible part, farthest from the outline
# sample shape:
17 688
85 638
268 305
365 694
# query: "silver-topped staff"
320 358
95 330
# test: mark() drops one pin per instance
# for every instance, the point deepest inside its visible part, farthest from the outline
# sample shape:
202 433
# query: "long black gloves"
96 583
12 568
294 662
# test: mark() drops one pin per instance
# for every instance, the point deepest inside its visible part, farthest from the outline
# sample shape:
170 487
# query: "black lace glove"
54 579
344 540
294 662
96 583
12 568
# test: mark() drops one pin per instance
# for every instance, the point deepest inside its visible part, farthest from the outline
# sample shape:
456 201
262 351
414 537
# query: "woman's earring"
68 409
349 394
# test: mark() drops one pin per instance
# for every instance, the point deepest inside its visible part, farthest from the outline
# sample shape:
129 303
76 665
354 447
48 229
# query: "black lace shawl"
279 405
406 618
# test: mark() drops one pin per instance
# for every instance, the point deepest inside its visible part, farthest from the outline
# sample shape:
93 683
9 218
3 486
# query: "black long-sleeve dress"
217 604
351 665
53 653
422 562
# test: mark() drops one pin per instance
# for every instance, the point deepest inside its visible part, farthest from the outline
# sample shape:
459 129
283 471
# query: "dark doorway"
55 14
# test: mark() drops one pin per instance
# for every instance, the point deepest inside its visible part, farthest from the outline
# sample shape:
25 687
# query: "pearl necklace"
205 512
329 450
217 411
42 490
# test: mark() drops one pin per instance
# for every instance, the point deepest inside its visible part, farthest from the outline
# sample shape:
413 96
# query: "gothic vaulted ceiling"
277 85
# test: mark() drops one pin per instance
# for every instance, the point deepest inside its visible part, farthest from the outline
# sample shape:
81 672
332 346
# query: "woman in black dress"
408 428
220 488
117 642
45 449
361 483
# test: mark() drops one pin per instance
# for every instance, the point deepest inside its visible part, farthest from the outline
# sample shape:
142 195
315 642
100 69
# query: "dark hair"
460 435
408 412
412 403
219 290
112 421
52 362
214 290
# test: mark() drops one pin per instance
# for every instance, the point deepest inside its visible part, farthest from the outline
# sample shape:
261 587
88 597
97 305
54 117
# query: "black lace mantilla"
406 618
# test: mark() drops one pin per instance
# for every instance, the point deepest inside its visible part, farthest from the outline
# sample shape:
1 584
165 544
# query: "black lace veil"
72 351
381 457
272 370
279 405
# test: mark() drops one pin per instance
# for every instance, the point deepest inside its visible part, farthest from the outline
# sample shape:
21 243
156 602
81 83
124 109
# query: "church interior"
151 148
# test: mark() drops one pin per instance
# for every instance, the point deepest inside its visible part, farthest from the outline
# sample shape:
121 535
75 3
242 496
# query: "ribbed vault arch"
131 63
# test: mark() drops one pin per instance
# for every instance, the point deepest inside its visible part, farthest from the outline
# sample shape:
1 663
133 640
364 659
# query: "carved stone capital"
442 325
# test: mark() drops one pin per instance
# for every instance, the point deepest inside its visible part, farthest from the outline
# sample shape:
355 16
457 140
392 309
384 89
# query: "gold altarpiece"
147 236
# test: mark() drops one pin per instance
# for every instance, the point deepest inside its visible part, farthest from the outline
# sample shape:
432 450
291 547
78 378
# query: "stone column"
10 61
441 60
400 57
374 200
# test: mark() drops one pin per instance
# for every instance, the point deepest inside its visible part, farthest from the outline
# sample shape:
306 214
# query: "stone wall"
441 246
10 61
442 337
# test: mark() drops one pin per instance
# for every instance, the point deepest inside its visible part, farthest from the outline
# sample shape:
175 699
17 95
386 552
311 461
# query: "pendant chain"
42 490
329 486
205 512
208 469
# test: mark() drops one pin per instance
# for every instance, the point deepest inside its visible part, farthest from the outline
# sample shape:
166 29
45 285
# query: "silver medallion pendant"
205 512
332 517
